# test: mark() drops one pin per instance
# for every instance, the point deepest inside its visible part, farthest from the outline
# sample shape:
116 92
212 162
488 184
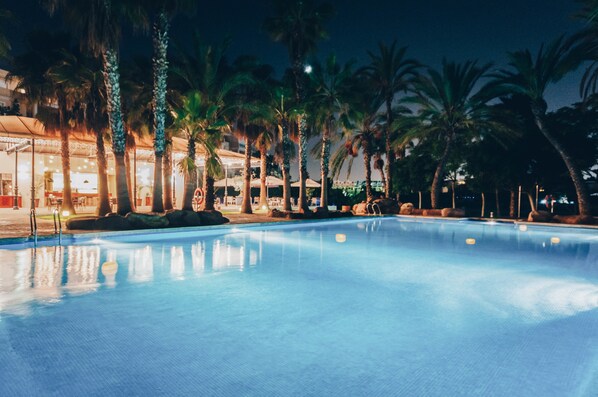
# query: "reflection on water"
47 274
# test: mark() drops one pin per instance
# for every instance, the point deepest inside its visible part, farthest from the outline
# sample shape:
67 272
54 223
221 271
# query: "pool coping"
79 237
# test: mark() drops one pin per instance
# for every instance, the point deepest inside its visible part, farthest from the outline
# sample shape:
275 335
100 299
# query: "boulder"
417 211
539 216
340 214
432 212
82 223
274 213
112 222
387 206
321 212
453 212
212 217
360 209
147 221
406 209
574 219
182 218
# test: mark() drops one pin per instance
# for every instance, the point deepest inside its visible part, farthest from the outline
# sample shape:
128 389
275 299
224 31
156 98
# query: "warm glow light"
341 238
109 268
523 228
555 240
264 207
470 241
66 213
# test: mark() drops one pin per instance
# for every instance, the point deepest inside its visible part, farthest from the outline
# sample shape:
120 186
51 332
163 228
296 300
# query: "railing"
33 226
57 225
373 209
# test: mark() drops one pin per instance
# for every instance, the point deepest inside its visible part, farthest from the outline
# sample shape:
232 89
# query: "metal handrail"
57 224
33 225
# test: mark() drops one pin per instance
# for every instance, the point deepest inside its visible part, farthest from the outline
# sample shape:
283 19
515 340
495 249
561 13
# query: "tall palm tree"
450 105
365 134
33 72
299 25
198 120
389 72
263 143
97 23
329 108
161 12
530 76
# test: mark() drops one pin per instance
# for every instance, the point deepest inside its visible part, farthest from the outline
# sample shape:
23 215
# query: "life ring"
198 195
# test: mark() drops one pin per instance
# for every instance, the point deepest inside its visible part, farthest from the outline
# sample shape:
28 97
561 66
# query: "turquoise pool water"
385 306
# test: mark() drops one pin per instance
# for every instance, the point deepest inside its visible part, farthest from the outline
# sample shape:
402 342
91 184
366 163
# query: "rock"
212 217
574 219
539 216
453 212
82 223
340 214
182 218
406 209
274 213
360 209
387 206
346 208
417 211
112 222
147 221
432 212
321 212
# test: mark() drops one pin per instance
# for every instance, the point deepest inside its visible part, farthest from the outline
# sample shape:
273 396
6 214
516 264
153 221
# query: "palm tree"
365 134
263 143
33 72
451 105
83 78
162 11
328 107
299 25
531 76
389 72
98 25
197 119
5 15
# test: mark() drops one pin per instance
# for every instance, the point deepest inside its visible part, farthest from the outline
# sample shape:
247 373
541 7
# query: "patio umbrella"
271 181
226 182
308 183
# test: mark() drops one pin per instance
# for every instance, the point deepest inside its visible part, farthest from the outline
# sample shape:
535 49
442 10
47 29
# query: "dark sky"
432 29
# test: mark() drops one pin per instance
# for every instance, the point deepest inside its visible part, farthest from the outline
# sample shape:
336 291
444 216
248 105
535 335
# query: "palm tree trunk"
303 207
115 117
67 196
419 193
167 176
246 203
512 213
367 162
263 175
390 156
103 198
160 66
497 198
208 186
483 204
190 177
157 193
129 174
439 173
383 178
532 202
286 167
453 193
583 197
325 166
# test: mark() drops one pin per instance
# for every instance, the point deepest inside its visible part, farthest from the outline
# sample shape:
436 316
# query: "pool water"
384 306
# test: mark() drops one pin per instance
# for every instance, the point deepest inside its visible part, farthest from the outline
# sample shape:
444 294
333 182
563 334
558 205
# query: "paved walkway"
15 223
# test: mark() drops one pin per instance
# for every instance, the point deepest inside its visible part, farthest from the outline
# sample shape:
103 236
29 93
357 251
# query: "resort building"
30 160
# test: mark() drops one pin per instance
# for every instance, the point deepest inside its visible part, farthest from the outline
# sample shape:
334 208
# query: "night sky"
432 29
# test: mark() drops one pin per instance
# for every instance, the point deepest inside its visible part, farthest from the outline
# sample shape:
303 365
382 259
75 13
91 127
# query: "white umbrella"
308 183
226 182
271 181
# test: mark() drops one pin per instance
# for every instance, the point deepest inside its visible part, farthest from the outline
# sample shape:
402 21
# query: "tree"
390 72
33 72
5 15
197 118
97 24
530 76
328 105
299 25
450 105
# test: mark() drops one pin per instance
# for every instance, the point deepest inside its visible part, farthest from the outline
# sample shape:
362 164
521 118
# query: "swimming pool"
384 306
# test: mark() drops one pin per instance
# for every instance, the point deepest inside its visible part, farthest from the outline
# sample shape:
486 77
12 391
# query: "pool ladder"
57 225
33 226
373 209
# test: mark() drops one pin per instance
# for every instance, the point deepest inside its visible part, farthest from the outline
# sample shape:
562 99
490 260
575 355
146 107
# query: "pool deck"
15 223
